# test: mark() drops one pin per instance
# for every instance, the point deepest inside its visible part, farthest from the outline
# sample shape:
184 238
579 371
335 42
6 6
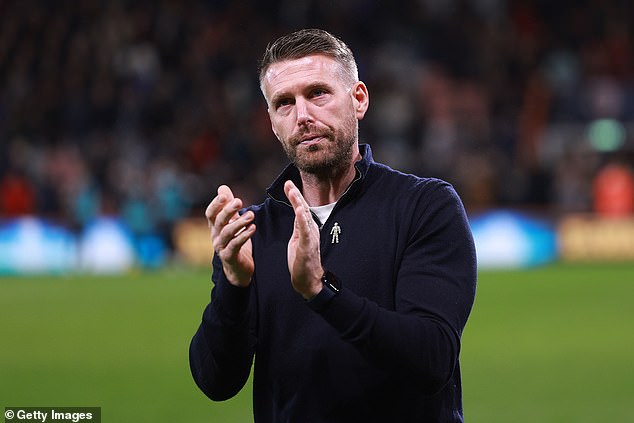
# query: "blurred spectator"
17 195
614 191
141 108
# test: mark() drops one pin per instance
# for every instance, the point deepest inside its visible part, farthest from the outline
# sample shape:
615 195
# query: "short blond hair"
306 42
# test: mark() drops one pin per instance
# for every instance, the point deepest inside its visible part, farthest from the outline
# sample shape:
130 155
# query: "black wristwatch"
331 288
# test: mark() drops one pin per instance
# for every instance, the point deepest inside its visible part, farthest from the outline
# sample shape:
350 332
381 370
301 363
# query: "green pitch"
552 344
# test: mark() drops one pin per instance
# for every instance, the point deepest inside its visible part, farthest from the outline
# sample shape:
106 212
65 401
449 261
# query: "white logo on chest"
335 232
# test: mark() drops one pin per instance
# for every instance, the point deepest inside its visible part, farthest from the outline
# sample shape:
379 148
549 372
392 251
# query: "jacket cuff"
231 301
346 312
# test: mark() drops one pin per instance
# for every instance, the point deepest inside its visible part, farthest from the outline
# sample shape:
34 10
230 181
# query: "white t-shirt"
322 212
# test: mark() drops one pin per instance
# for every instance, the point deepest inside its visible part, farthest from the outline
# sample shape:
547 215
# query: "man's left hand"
304 259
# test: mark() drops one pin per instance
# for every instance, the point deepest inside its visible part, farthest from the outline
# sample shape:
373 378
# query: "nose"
302 108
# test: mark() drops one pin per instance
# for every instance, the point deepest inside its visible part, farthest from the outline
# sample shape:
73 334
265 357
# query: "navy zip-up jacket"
386 348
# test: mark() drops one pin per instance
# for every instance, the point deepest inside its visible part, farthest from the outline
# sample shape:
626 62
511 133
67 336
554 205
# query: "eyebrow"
318 84
277 97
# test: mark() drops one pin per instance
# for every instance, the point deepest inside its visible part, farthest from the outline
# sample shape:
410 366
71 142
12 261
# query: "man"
352 282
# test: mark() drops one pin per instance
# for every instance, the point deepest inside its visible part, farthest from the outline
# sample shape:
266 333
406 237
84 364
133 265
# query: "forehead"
287 74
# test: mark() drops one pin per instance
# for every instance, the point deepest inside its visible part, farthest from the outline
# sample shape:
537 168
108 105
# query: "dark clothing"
386 348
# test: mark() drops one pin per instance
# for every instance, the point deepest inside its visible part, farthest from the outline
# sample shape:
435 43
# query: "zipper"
337 206
325 238
286 203
315 218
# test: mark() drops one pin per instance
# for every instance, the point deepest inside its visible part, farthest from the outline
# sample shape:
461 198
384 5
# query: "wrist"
313 291
312 286
329 288
235 279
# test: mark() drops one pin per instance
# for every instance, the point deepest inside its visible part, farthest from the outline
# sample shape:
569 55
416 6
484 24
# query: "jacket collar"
276 190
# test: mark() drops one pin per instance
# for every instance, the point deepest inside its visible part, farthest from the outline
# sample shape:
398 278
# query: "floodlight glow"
606 135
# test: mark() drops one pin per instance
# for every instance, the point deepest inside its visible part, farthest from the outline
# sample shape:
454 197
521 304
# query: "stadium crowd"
142 108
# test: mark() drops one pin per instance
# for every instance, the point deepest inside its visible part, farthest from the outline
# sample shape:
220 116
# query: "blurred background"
138 110
119 119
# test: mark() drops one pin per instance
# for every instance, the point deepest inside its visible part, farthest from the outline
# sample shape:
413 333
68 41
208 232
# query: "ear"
360 98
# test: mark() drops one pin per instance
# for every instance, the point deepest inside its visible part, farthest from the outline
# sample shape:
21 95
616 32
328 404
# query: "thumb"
295 196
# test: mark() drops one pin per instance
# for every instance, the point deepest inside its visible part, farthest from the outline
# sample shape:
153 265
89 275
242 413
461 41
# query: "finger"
235 243
225 191
301 207
294 195
237 225
232 230
213 208
219 214
303 217
228 213
224 195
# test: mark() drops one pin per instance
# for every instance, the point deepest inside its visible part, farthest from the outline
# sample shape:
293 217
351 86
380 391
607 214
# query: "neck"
322 189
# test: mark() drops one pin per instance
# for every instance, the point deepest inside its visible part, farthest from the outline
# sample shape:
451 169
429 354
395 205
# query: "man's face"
314 112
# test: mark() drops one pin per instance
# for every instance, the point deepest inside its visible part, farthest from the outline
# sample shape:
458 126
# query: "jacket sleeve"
419 341
222 349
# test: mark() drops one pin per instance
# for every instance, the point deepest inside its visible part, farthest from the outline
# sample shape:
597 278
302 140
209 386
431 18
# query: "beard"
330 156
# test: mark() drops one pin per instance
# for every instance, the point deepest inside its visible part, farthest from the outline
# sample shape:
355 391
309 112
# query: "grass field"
552 344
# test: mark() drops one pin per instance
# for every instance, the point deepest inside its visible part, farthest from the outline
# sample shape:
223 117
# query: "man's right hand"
231 236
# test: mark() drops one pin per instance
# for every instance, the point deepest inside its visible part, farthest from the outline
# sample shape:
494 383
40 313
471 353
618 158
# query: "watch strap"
330 289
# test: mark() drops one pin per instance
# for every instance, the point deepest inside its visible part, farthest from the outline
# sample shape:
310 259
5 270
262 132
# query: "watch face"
331 281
